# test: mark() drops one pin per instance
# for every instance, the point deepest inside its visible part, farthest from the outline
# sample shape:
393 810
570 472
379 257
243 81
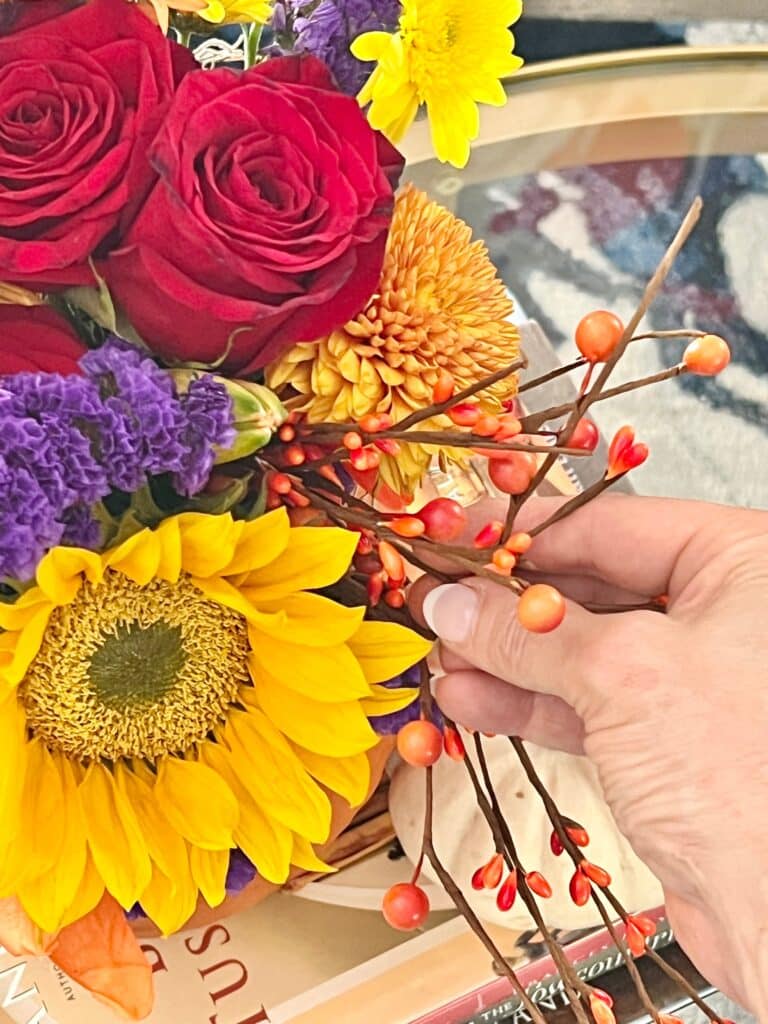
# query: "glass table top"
578 185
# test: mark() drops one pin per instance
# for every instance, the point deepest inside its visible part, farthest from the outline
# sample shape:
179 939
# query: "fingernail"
451 612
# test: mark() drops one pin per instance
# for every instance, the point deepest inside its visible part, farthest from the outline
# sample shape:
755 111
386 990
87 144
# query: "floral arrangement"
230 347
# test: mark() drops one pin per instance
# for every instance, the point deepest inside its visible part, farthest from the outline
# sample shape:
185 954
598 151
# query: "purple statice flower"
389 725
28 524
146 419
81 528
241 872
209 419
66 442
326 29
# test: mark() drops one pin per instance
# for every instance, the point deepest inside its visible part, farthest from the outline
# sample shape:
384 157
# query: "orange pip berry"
503 560
537 883
577 834
352 441
519 543
492 871
405 906
487 425
407 526
598 334
635 939
506 895
295 455
445 387
280 483
596 874
392 560
453 744
707 356
585 435
601 1011
287 433
420 743
394 599
624 453
465 414
580 888
490 535
643 924
541 608
555 844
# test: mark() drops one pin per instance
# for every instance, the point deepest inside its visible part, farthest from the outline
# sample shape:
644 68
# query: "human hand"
672 709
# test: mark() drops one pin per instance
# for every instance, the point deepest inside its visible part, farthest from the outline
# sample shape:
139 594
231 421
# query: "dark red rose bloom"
81 97
269 220
37 338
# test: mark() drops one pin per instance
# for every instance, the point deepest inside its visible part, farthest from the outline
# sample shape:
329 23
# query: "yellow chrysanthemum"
447 54
174 698
440 304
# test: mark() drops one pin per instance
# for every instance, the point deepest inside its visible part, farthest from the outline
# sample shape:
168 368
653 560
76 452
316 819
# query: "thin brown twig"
537 419
575 503
492 811
582 404
462 905
558 823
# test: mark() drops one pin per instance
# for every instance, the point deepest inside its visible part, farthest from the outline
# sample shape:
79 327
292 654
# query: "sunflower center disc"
135 671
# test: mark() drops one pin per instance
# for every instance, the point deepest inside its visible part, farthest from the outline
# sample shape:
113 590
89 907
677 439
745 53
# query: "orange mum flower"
440 305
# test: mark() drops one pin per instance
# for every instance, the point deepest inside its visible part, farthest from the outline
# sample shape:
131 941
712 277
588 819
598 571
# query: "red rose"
35 338
81 97
269 220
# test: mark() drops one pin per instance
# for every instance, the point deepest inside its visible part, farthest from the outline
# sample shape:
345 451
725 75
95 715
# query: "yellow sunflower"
447 54
174 698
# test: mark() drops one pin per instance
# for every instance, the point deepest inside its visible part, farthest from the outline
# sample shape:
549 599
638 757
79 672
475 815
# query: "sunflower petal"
208 542
137 558
170 903
197 803
386 701
225 593
14 616
275 776
114 837
350 777
304 857
59 572
39 816
337 730
165 846
14 753
169 538
265 841
102 954
314 558
27 645
311 620
325 674
385 649
88 895
209 870
48 896
261 542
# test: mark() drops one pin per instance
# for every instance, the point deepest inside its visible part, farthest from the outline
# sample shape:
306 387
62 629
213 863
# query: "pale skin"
672 709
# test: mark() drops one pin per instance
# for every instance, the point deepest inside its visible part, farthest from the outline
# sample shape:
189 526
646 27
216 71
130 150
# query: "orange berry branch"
334 473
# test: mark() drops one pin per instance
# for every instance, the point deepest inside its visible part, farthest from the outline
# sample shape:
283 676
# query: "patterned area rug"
586 238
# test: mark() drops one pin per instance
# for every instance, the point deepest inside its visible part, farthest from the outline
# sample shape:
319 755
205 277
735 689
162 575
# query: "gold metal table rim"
642 104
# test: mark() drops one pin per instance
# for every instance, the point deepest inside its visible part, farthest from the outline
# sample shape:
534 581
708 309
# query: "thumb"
477 620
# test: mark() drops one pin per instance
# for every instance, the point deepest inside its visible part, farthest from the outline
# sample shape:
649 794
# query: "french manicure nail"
451 611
